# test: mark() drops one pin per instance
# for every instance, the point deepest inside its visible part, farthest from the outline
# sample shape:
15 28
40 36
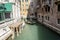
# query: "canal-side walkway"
37 32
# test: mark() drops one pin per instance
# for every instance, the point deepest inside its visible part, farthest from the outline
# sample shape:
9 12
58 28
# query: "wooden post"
17 31
13 34
20 29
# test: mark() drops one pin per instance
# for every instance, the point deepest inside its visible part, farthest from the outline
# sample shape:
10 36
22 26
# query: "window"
4 16
39 16
47 8
59 7
7 15
47 18
58 21
1 16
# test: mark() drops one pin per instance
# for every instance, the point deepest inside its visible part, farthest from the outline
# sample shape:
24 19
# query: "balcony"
6 7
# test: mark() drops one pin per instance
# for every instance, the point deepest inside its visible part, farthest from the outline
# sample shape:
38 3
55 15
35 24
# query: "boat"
28 22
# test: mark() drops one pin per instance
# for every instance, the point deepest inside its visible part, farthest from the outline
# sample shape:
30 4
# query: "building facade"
48 13
24 7
9 9
9 14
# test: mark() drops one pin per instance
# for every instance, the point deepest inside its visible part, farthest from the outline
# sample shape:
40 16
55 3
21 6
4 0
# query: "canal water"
37 32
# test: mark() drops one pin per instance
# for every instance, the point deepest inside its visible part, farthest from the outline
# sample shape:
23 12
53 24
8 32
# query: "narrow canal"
37 32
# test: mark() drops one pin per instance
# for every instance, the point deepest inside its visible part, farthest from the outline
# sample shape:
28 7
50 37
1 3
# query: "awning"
7 7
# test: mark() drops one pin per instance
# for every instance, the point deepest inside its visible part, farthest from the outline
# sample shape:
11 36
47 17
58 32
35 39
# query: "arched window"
47 8
58 7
